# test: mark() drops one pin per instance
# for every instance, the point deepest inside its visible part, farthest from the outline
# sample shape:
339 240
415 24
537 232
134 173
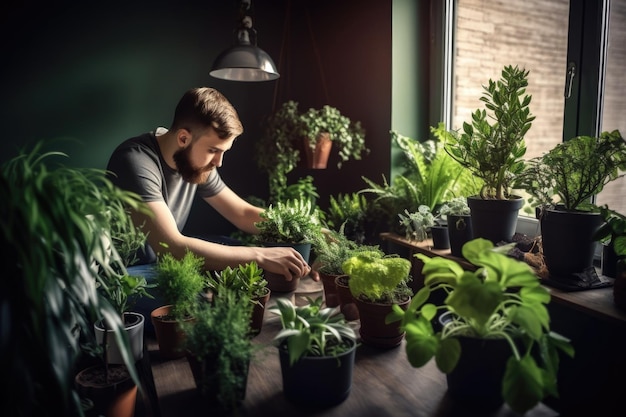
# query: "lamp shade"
244 62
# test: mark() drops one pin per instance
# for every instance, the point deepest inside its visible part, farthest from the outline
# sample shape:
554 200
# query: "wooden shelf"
596 302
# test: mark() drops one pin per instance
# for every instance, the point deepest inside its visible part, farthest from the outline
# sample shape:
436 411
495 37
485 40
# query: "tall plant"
52 218
493 151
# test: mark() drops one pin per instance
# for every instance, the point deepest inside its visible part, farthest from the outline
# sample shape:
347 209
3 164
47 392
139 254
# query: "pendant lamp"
244 61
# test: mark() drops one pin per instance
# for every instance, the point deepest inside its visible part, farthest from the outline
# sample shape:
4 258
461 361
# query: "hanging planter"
317 154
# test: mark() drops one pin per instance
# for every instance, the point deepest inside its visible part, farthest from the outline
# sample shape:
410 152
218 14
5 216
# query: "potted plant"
348 212
561 184
293 223
123 289
332 248
316 347
457 215
613 232
52 217
278 151
219 348
377 282
493 339
430 177
180 282
494 151
417 224
246 280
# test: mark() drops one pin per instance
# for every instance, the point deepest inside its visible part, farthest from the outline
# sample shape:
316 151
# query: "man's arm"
161 229
236 210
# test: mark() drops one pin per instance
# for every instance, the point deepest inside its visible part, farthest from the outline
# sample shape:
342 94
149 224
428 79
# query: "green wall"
98 73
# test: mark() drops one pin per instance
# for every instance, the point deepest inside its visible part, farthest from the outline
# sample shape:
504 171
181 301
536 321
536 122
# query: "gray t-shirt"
137 165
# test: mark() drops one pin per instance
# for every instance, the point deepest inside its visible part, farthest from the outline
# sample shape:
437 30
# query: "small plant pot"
258 312
330 290
374 331
317 382
115 397
346 302
441 239
134 326
169 334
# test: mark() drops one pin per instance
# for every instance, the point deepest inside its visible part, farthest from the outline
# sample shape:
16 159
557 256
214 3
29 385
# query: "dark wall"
100 72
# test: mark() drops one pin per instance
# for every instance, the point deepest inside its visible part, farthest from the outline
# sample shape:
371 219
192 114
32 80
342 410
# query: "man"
168 167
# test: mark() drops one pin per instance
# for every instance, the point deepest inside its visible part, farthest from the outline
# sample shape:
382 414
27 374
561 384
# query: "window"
550 38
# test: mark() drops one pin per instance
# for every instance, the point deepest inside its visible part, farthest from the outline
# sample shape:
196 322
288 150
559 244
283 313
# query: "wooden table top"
384 383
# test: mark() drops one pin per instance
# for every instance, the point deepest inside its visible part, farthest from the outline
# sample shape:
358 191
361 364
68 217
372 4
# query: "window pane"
614 99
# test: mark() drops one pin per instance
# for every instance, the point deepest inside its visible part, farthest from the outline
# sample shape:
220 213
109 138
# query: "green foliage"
311 330
502 298
180 282
455 207
52 219
277 151
334 248
418 223
430 177
246 279
292 222
613 232
574 171
220 337
302 189
494 151
347 212
378 278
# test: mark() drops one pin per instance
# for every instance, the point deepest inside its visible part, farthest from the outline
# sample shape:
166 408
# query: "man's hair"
201 108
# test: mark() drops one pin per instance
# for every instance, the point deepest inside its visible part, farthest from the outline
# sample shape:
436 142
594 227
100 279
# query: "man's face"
196 161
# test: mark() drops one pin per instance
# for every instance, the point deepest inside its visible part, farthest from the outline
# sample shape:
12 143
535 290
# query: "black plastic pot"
495 220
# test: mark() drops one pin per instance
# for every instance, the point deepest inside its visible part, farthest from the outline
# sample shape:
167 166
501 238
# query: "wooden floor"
384 384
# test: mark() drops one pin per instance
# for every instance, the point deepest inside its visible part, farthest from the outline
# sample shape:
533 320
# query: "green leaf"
522 387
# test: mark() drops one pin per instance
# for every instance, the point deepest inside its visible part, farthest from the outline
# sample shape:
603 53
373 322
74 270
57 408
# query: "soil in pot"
114 396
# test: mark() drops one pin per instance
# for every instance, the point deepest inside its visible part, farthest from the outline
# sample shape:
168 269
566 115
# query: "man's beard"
187 171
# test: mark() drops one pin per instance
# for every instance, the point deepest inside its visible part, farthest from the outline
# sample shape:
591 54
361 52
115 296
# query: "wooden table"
384 384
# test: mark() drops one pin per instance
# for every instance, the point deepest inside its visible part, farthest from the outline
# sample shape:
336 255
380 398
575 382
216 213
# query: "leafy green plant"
502 298
455 207
302 189
292 222
219 337
418 223
347 212
52 217
613 232
311 330
572 172
180 282
246 279
494 151
378 278
334 248
278 153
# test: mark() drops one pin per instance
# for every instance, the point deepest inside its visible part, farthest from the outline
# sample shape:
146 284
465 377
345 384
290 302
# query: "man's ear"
183 137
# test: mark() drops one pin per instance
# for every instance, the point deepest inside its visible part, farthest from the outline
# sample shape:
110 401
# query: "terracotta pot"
374 331
169 335
318 158
346 302
134 325
330 290
115 397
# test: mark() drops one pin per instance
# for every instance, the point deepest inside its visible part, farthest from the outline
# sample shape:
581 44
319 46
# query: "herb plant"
246 279
334 248
378 278
502 298
180 282
219 337
292 222
418 223
312 330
